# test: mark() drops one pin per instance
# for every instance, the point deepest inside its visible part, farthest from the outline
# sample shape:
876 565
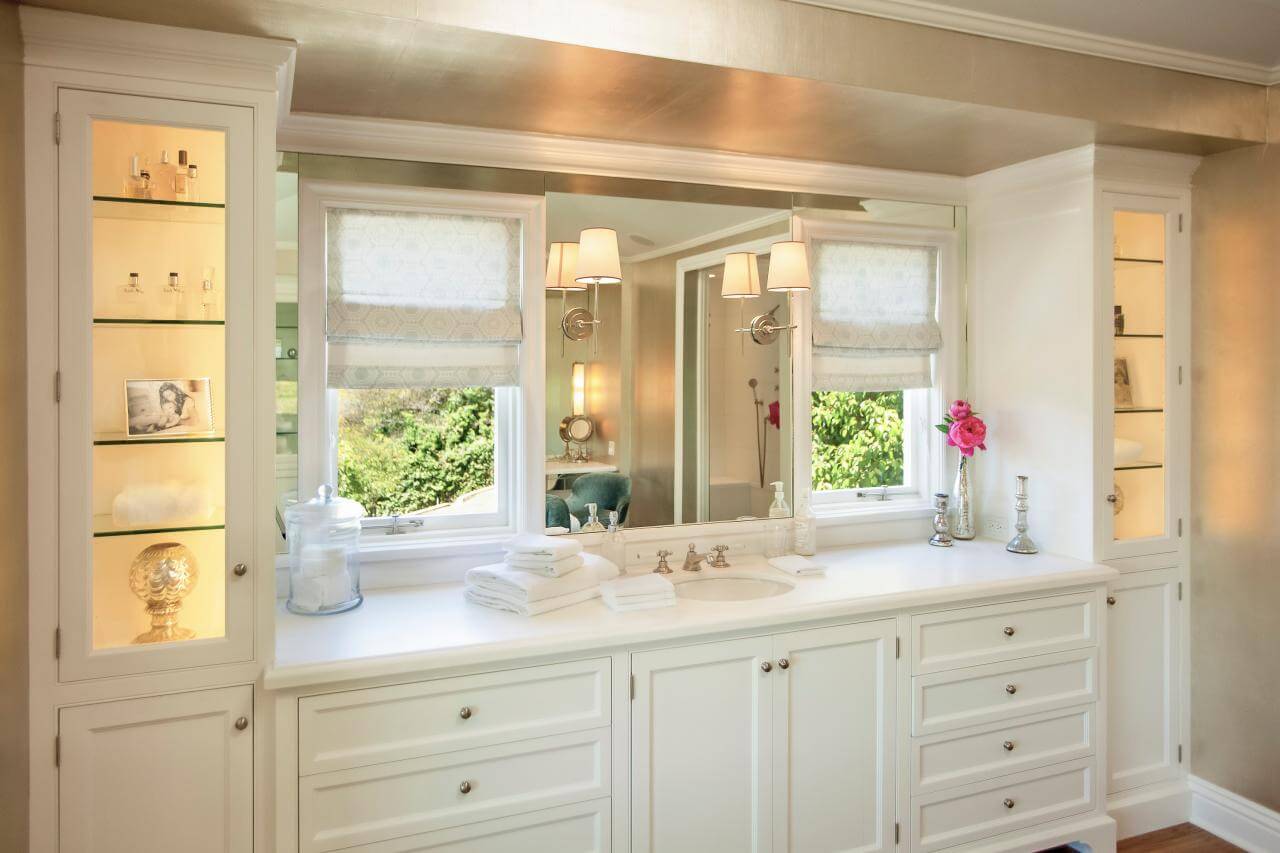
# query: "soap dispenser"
778 529
612 546
593 524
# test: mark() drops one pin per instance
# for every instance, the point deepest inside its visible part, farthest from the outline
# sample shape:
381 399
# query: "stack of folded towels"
642 592
540 573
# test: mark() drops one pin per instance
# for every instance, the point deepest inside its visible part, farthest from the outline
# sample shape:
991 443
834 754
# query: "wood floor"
1183 838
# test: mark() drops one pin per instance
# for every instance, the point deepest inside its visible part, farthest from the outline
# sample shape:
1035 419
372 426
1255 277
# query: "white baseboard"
1233 818
1150 808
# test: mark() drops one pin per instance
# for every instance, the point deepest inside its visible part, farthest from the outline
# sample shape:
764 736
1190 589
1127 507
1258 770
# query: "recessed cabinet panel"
155 361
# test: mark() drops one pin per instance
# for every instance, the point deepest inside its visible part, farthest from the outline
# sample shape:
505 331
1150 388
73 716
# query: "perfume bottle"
176 294
144 184
209 298
192 185
1119 318
133 180
181 177
162 178
131 291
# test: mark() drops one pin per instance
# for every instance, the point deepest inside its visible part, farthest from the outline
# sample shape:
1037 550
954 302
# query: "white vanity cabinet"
766 743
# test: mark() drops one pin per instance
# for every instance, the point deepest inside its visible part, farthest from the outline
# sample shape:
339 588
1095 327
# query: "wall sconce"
562 267
598 263
579 385
788 273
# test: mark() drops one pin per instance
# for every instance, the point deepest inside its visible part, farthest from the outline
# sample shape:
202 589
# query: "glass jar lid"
325 506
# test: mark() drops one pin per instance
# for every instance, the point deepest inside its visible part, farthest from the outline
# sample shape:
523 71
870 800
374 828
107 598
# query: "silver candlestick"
1021 543
941 533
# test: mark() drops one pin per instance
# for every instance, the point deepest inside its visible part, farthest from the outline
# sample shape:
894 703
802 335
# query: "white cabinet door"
833 719
159 774
1142 704
700 746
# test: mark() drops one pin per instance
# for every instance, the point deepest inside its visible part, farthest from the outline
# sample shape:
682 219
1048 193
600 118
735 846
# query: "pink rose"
775 414
961 410
968 434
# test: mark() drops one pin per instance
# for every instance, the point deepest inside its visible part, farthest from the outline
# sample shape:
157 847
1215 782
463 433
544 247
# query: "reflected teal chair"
606 491
557 512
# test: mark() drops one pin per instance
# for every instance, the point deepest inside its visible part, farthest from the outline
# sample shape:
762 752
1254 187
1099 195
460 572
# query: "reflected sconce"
562 267
579 385
788 273
598 263
741 276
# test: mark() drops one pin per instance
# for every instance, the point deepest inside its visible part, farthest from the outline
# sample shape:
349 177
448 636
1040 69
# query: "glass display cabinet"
154 382
1146 401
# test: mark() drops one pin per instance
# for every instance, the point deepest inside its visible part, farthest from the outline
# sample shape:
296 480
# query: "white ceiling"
1243 36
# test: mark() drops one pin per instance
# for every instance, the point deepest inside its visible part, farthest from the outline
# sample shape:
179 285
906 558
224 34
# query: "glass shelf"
104 526
116 438
1139 466
1120 260
1152 337
115 199
1138 410
125 321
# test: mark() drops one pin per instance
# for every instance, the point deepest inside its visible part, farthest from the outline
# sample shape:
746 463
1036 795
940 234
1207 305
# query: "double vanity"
911 696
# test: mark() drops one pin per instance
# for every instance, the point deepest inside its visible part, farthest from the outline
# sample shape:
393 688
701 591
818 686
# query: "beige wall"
1235 539
13 448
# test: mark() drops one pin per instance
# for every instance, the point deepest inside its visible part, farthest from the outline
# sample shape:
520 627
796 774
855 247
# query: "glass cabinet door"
155 368
1144 267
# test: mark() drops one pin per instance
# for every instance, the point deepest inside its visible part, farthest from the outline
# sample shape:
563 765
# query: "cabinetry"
766 743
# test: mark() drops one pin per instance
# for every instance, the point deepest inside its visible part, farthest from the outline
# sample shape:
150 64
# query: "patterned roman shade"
874 315
420 299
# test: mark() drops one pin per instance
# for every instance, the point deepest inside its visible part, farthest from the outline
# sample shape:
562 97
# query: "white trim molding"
1151 807
1088 162
1231 817
1057 38
442 143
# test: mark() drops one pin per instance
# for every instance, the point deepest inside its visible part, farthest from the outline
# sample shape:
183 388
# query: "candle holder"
1021 543
941 527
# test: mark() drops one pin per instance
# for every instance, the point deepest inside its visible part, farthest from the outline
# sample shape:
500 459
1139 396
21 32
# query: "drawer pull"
1011 689
783 663
766 666
1008 746
465 788
1008 631
1008 803
465 713
1111 601
242 723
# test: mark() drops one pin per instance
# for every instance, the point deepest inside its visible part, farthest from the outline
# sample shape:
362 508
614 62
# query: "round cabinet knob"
766 666
1008 631
1008 746
465 787
1111 499
783 663
1008 803
239 570
242 723
1011 689
465 713
1111 601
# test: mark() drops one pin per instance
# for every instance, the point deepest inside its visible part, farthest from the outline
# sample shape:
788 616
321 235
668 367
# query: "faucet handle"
663 568
720 562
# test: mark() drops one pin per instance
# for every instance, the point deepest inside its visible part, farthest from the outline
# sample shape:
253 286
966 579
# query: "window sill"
433 544
871 512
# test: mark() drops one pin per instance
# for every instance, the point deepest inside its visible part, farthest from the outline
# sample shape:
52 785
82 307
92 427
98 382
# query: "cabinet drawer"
1001 691
1006 804
579 828
362 727
994 632
387 801
972 755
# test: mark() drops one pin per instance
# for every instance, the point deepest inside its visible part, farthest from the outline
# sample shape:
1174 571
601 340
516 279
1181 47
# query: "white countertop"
418 629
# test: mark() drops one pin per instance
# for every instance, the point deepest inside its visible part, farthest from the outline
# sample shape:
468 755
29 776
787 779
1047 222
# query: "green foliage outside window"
857 439
403 450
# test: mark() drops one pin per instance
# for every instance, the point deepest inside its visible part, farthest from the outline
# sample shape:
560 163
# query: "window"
414 299
879 307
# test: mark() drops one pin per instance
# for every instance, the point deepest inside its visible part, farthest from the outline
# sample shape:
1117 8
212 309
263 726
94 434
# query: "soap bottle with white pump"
593 524
778 529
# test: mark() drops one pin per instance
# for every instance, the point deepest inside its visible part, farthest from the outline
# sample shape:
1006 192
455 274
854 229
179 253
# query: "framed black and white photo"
168 407
1124 390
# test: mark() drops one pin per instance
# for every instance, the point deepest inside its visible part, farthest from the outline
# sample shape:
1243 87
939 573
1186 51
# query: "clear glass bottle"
593 524
181 177
131 295
324 553
133 181
193 185
778 528
613 547
162 178
176 294
806 528
144 184
209 298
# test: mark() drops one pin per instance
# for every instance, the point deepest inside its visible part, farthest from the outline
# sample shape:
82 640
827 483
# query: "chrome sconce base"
764 328
578 324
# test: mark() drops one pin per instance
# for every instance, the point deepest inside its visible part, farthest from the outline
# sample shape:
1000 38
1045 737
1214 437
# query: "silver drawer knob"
1008 746
783 663
766 666
1011 689
465 713
465 787
242 723
239 570
1008 803
1111 601
1008 631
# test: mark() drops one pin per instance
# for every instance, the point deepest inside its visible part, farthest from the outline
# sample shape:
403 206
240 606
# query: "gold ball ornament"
162 576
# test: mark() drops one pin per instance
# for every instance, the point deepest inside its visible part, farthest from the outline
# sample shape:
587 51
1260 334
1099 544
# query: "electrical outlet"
995 527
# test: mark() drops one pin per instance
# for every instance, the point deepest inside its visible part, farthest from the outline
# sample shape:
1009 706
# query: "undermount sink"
732 587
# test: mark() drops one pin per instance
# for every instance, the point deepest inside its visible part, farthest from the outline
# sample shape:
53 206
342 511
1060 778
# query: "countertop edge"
505 652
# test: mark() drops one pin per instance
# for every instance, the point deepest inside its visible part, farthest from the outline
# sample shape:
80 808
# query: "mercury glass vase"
963 525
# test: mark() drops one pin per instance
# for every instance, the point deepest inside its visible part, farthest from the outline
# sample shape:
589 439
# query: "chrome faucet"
693 560
718 561
663 568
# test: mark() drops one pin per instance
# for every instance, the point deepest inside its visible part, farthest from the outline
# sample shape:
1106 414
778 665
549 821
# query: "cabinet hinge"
1179 374
57 643
57 128
1179 590
1179 528
897 647
897 833
1179 753
57 386
57 750
1179 223
633 686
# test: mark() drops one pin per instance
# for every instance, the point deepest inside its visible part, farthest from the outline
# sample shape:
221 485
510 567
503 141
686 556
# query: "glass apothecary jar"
324 553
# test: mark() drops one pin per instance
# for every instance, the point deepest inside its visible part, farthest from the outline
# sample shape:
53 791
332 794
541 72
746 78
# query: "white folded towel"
484 598
160 503
546 547
503 588
638 585
542 566
630 604
794 564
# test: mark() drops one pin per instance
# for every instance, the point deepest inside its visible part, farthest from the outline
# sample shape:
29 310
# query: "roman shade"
419 299
875 322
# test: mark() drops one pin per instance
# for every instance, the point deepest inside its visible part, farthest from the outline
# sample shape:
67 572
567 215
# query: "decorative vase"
963 526
162 576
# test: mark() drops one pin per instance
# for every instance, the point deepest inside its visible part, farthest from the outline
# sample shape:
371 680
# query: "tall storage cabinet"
150 311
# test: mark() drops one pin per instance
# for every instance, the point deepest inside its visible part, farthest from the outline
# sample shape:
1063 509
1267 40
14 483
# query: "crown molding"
441 143
1058 38
69 40
709 237
1088 162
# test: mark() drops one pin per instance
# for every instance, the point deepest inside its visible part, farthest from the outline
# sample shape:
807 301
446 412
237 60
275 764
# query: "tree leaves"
857 439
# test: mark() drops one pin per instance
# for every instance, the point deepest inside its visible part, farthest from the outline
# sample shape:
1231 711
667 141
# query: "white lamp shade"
741 276
562 266
598 261
788 266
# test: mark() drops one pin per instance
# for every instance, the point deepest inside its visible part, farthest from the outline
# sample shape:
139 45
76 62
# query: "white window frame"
518 424
926 456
